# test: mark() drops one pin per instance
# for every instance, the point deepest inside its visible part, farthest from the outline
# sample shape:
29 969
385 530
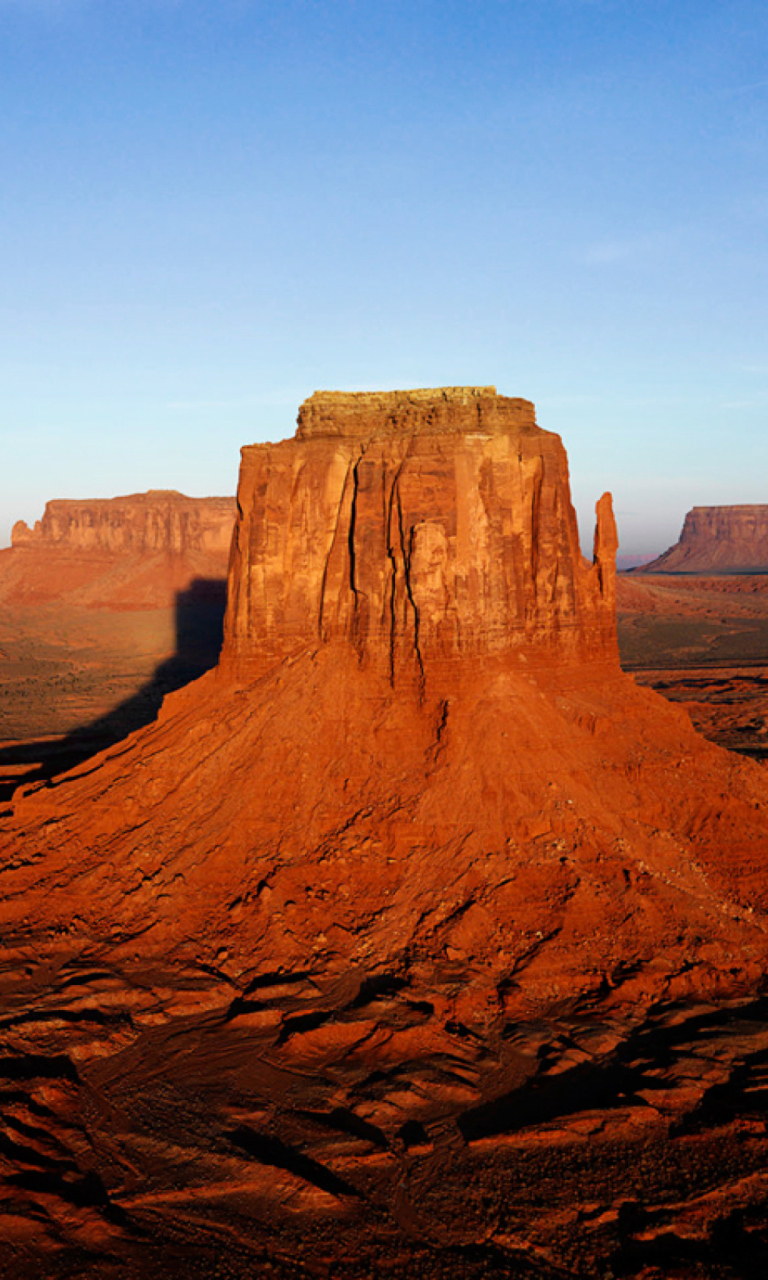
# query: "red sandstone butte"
129 552
424 528
718 540
418 750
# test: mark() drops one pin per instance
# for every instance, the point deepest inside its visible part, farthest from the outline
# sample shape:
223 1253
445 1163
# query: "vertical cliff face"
160 520
718 540
422 527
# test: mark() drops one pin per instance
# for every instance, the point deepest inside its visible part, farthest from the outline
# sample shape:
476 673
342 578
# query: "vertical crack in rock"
395 544
392 581
441 724
323 630
360 620
351 531
536 487
406 548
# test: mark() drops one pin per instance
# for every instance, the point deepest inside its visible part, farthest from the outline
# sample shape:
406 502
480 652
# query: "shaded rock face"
420 526
718 540
160 520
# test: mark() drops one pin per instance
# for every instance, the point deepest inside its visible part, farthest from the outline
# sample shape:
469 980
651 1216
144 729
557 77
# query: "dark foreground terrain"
170 1124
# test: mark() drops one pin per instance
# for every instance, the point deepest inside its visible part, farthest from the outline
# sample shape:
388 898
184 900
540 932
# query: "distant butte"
404 940
105 605
159 520
718 540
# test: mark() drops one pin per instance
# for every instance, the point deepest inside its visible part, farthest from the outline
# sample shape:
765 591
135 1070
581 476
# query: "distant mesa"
160 520
730 539
131 552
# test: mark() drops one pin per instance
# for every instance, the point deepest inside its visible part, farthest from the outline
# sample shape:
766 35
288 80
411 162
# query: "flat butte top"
427 410
733 508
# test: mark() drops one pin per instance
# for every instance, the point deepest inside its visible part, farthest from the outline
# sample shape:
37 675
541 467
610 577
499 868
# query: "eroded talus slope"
553 826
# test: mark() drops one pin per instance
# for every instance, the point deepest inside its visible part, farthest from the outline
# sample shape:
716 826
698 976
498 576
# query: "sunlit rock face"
421 526
718 540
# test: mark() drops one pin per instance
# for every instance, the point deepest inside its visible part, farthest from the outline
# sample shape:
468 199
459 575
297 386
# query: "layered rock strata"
718 540
432 526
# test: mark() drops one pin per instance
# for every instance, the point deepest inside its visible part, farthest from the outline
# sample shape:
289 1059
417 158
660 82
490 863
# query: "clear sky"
210 208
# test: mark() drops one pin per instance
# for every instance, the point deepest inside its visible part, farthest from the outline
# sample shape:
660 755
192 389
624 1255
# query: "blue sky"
209 210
